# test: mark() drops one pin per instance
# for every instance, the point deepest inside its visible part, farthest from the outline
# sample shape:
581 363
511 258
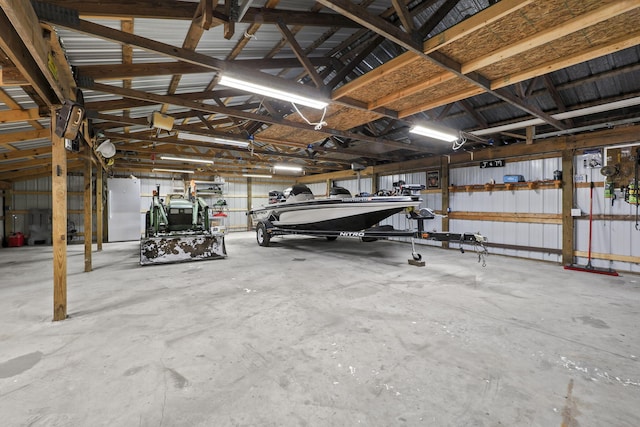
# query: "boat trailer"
265 230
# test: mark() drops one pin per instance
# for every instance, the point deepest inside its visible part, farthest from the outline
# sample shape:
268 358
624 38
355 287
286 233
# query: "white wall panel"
551 201
536 239
509 201
522 201
432 200
352 185
319 189
531 170
385 182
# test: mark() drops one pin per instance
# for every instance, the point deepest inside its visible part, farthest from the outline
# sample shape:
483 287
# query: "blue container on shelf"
513 178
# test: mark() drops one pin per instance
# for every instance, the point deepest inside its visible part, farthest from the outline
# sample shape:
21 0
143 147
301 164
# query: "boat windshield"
298 193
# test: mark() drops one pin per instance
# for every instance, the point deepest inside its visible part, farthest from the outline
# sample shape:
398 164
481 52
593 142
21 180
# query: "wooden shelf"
509 186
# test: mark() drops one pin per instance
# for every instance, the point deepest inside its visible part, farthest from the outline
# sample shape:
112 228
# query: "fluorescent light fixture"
212 139
170 170
432 133
256 175
181 159
273 93
288 168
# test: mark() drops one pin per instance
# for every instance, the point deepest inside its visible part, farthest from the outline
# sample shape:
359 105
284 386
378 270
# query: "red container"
16 239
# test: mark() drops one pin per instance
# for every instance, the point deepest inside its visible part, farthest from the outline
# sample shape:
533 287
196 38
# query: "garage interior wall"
527 222
36 194
522 222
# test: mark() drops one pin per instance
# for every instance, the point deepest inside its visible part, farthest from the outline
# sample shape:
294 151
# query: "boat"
297 209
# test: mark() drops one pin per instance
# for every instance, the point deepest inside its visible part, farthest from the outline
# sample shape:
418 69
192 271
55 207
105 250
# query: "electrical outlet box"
576 212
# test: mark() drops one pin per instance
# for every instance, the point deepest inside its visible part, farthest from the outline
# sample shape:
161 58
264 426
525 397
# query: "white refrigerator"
123 204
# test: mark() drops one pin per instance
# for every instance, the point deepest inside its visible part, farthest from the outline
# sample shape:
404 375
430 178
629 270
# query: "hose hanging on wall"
589 268
636 184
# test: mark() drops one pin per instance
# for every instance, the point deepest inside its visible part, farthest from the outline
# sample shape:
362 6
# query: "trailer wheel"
416 256
331 238
262 236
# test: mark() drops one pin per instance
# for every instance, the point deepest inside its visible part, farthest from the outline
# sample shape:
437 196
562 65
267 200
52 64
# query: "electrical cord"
316 126
458 143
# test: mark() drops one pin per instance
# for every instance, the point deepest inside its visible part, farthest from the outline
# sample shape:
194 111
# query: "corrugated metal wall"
617 237
366 185
399 221
318 189
260 189
36 194
614 237
544 200
531 170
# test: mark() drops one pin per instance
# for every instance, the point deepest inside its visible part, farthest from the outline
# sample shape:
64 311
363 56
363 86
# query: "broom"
590 268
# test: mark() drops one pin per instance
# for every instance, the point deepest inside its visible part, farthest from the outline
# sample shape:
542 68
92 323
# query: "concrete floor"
316 333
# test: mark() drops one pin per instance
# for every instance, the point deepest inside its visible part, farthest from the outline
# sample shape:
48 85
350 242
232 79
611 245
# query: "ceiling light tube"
256 175
288 168
181 159
273 93
212 139
170 170
432 133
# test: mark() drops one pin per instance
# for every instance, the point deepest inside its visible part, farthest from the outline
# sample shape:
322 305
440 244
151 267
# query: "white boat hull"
349 214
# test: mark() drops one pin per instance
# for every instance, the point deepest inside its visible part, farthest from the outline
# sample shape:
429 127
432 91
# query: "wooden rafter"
391 32
183 10
466 105
30 135
186 55
207 108
623 42
435 19
403 14
128 71
13 116
474 23
46 54
15 48
576 24
366 98
201 20
299 52
9 102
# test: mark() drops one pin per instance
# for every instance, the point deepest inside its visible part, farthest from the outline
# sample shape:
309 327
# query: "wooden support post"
249 197
88 214
8 216
99 208
444 188
59 202
531 133
567 204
